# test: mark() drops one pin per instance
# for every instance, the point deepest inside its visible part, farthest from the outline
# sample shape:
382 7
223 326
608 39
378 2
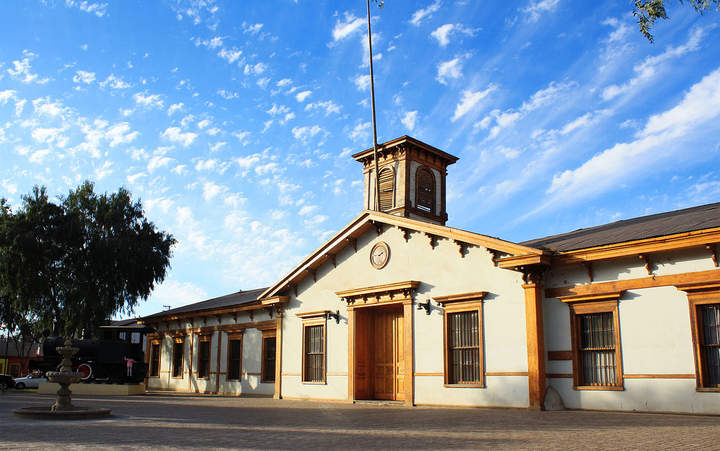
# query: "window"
425 190
463 339
268 359
155 359
135 338
314 351
596 345
177 367
709 343
204 356
387 184
234 356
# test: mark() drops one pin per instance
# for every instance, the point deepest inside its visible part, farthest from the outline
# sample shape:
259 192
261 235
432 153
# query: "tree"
68 267
648 11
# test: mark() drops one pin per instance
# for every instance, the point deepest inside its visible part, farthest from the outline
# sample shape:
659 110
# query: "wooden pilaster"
278 357
535 344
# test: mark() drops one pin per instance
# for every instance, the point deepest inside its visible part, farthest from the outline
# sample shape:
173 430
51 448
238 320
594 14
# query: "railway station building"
399 306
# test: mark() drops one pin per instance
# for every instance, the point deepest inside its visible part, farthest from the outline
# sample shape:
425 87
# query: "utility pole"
372 103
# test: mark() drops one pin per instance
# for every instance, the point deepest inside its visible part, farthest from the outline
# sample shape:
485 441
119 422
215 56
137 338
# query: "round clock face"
379 255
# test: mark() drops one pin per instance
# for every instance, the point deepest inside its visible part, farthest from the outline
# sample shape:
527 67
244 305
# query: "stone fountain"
63 407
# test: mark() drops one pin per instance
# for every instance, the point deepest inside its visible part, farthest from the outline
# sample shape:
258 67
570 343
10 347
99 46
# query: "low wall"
51 388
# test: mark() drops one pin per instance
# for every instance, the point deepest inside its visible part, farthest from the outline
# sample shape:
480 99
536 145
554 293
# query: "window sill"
602 388
177 377
464 385
314 382
272 382
708 389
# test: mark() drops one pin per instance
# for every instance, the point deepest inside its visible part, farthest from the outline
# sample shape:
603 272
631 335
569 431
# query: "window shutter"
387 184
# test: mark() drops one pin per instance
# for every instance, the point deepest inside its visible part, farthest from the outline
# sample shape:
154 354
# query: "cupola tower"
412 179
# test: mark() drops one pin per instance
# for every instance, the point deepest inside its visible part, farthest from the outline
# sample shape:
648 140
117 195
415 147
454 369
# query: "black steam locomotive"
116 358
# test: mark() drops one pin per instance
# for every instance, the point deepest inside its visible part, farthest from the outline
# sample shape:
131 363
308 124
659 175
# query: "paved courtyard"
204 422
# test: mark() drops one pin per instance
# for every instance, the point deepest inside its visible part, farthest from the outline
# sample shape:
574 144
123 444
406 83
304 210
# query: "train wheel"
85 371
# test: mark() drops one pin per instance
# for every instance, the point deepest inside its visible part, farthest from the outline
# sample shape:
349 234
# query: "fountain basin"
47 413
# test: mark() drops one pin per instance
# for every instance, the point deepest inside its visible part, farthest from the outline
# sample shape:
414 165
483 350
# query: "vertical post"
351 354
409 350
217 373
535 342
372 104
278 357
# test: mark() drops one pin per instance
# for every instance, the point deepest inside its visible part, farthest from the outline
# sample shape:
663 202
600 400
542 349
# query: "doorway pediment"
379 294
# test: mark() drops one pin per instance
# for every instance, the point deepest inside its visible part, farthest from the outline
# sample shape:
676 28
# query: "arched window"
425 190
387 185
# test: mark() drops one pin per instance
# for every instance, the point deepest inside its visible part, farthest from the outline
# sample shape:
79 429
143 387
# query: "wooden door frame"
407 340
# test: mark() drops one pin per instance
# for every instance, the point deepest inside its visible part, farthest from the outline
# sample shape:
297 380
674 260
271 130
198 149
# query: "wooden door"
388 355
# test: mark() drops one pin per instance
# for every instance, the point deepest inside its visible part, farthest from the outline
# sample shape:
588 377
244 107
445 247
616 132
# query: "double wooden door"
380 364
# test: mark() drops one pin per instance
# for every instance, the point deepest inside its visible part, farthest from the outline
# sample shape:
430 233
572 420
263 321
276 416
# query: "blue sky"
233 122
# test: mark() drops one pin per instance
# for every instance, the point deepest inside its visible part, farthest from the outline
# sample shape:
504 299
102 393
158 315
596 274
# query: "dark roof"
678 221
131 322
239 298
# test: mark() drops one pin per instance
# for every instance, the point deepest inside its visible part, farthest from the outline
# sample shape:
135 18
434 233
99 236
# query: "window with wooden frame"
704 302
155 358
314 349
268 356
234 358
387 186
596 350
463 339
177 357
425 190
204 346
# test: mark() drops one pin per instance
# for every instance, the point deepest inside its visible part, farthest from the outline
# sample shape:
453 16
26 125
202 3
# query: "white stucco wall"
441 272
655 336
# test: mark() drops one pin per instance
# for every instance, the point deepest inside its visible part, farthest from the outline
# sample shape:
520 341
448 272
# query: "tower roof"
367 154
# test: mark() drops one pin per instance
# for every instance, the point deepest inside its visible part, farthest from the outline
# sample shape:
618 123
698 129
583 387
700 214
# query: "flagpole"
372 103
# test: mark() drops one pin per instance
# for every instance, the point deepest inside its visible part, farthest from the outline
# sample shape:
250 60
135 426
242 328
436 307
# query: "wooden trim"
190 361
217 375
268 333
611 296
462 297
379 289
535 337
275 300
710 276
578 309
560 355
659 376
312 314
310 322
460 307
699 295
278 357
506 373
351 353
523 260
409 351
644 246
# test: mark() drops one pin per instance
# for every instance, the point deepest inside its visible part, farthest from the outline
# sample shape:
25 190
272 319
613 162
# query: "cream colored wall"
251 358
442 272
655 338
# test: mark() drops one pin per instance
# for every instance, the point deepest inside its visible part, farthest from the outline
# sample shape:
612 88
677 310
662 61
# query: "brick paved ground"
198 422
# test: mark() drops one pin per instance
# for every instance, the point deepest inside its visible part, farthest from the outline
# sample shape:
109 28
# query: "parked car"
30 381
6 381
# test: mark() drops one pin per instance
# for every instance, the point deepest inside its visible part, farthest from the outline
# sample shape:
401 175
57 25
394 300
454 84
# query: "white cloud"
350 25
103 171
99 9
120 134
361 131
582 121
449 70
175 134
6 95
39 156
424 13
469 100
362 82
21 70
409 120
263 82
307 209
82 76
210 190
230 55
284 82
158 161
248 162
204 123
648 69
174 108
536 8
657 144
241 135
114 82
443 32
149 100
329 106
252 29
315 220
175 294
256 69
227 94
276 110
301 96
305 133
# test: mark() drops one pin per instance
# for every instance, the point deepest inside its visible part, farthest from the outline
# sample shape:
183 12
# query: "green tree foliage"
70 266
648 11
